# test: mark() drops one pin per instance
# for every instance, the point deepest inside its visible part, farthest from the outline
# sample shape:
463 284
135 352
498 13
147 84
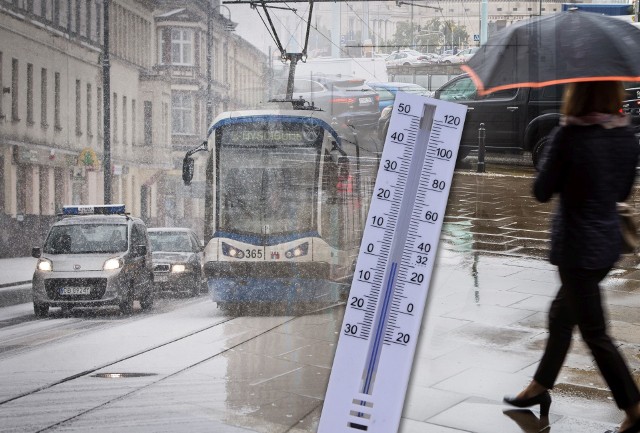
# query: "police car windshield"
86 238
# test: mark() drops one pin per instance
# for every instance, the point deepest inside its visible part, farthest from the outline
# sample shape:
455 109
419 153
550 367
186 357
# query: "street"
187 366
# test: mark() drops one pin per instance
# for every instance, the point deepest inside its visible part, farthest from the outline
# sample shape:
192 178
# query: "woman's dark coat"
591 168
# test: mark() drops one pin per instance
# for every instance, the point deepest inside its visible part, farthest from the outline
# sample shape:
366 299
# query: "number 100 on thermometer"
388 294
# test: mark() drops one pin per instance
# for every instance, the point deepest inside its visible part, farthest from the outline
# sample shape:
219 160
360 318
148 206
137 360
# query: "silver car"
92 258
177 260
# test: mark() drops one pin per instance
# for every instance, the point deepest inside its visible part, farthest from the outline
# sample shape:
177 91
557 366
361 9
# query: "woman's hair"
592 97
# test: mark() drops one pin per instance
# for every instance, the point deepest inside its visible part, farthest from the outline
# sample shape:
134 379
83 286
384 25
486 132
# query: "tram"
285 205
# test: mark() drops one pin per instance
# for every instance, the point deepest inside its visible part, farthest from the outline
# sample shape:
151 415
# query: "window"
460 90
89 103
181 47
14 90
99 119
114 121
148 123
98 22
78 109
133 122
56 12
182 113
124 119
87 6
1 88
56 101
78 17
44 122
30 93
502 94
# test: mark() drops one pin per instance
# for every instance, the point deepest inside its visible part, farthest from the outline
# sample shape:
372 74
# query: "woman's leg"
561 323
583 293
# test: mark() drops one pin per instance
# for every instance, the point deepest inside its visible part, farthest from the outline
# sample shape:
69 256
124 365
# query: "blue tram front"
282 210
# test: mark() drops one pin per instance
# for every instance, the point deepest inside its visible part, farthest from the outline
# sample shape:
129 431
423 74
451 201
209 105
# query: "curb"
16 293
17 283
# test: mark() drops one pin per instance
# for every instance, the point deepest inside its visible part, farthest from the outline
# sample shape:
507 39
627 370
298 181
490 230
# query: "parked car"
460 57
346 98
94 256
407 58
177 260
387 91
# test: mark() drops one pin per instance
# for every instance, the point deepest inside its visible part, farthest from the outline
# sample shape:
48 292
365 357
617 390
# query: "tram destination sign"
270 134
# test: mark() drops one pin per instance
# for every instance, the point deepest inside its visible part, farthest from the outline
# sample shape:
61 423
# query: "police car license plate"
75 290
161 278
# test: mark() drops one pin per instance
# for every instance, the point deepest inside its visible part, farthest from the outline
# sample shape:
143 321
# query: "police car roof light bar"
107 209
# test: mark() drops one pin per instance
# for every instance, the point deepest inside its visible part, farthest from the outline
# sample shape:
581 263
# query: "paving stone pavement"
485 326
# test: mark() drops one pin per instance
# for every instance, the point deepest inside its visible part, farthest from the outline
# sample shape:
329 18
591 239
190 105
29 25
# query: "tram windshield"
268 178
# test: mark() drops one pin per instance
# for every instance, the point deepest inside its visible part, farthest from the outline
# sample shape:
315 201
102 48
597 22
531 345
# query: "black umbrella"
560 48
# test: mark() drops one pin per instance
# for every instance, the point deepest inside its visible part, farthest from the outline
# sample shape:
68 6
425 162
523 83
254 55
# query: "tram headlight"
231 251
299 251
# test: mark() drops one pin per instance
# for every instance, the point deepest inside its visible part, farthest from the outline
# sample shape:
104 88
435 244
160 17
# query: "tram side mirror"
337 154
187 170
36 252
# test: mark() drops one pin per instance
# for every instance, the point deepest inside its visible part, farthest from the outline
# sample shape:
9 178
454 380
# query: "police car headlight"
111 264
176 269
44 265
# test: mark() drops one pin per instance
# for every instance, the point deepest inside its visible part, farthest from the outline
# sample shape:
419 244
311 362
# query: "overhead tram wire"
346 53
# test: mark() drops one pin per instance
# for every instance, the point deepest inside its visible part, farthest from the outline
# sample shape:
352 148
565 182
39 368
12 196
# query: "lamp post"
106 103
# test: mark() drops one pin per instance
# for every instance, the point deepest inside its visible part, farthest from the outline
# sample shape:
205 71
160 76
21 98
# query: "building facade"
361 23
52 107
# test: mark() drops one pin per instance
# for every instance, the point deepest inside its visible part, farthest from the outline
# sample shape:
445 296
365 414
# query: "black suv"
515 120
349 100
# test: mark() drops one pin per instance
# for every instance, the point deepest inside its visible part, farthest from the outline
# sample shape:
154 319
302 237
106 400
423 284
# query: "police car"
94 256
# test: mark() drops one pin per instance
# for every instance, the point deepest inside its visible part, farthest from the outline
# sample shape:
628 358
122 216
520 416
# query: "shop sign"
47 157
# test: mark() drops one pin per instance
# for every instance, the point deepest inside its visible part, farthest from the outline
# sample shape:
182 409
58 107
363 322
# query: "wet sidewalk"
485 327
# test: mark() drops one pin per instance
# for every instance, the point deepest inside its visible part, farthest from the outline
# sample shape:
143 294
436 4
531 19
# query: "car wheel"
146 302
126 305
537 151
196 286
149 295
406 64
41 310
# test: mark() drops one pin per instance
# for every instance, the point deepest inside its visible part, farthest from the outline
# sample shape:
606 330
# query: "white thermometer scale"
388 294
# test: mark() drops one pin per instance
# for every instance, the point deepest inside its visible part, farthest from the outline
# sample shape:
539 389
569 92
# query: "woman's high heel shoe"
543 399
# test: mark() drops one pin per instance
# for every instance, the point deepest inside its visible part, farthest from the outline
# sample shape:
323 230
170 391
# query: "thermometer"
388 294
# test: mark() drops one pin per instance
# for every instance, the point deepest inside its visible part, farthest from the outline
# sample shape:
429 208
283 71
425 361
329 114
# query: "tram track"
53 332
182 338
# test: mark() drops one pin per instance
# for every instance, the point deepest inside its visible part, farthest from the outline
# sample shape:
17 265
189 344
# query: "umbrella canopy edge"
483 92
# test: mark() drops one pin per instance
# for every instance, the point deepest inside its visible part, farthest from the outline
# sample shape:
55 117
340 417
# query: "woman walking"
591 165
